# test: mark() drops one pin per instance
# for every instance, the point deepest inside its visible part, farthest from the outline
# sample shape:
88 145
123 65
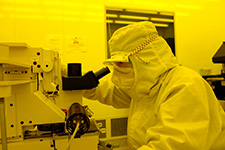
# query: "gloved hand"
89 94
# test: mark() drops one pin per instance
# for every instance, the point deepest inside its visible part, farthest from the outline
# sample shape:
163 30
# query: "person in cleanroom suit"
170 106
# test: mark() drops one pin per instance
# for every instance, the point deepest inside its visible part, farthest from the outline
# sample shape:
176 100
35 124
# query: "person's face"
123 75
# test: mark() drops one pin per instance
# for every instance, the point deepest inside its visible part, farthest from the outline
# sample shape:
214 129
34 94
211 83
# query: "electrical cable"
72 137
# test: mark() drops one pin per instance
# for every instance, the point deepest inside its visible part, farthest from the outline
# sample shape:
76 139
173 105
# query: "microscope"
39 107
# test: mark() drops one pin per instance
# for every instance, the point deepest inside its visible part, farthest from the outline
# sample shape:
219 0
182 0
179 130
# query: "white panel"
38 109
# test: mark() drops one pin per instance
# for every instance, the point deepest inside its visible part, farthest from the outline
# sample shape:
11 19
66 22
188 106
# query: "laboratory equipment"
77 114
74 81
34 104
219 56
217 82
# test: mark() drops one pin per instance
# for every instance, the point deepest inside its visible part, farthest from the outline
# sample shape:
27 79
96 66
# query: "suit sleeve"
107 93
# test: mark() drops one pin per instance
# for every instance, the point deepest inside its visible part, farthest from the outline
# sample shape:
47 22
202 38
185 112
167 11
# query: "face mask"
123 77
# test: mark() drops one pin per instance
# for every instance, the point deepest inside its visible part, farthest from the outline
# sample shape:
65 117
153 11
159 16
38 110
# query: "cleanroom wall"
59 24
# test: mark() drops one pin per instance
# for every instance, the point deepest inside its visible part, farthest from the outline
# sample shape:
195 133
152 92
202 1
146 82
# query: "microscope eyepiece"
102 72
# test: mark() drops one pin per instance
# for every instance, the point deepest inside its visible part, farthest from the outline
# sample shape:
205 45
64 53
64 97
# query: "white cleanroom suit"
170 106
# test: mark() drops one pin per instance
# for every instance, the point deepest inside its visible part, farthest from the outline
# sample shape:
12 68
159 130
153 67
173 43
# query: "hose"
73 135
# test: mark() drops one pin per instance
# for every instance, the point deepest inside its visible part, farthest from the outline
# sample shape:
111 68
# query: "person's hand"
88 93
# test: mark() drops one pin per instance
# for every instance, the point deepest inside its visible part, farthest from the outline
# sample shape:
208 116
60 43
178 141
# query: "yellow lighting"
71 12
134 17
49 2
52 17
95 14
109 21
162 20
28 10
22 2
111 15
142 11
124 22
166 14
7 9
94 6
196 7
91 20
114 9
28 16
160 25
67 18
72 4
183 14
7 15
22 9
53 11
